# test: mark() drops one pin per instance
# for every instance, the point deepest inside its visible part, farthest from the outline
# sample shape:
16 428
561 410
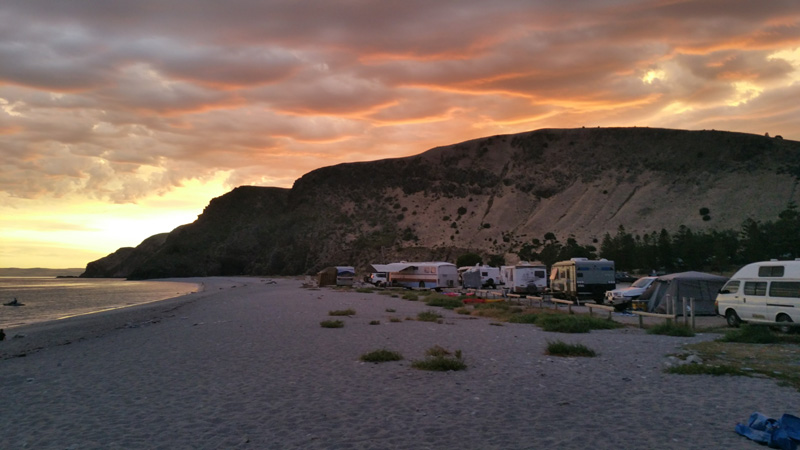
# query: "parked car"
621 298
378 278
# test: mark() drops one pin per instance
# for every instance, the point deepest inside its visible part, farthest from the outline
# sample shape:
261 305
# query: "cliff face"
488 195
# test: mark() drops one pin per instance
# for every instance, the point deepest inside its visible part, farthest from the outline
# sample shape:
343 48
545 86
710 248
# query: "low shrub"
342 312
332 324
751 334
703 369
444 301
381 355
563 323
365 290
395 319
429 316
375 322
671 329
523 318
413 296
559 348
439 359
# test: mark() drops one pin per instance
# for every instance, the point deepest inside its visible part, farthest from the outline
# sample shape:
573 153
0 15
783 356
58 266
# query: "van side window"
731 287
755 288
538 274
785 289
770 271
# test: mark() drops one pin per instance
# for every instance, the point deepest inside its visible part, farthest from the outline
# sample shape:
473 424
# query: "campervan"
766 292
524 278
582 279
428 275
475 277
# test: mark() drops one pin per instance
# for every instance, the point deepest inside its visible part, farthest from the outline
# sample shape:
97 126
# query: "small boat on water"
14 302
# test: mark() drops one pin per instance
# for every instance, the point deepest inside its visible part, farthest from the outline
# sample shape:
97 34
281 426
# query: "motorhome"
582 279
476 277
765 292
336 276
426 275
524 278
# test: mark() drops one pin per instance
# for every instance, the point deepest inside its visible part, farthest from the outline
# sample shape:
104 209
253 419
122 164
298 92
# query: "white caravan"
524 278
765 292
430 275
477 276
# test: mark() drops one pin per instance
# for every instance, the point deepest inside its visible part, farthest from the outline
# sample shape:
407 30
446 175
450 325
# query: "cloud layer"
117 100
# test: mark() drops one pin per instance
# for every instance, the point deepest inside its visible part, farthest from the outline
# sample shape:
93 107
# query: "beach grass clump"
395 320
439 359
342 312
751 334
382 355
523 318
375 322
412 296
565 323
705 369
560 348
444 301
365 290
463 311
671 329
429 316
390 310
331 324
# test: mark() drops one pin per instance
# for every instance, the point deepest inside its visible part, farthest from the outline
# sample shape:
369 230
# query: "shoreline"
246 365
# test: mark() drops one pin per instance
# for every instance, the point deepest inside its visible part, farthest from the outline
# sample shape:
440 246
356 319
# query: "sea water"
47 298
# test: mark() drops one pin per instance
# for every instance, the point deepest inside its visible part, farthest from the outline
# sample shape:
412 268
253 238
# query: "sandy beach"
245 364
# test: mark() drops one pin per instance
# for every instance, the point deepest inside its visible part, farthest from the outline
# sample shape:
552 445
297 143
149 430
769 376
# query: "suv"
378 278
622 298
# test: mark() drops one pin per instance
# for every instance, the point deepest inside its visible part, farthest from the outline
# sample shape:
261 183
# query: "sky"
122 119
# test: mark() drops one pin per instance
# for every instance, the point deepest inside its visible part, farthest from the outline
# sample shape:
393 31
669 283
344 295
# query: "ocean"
48 298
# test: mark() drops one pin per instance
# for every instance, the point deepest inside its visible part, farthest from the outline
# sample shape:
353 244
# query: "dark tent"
702 287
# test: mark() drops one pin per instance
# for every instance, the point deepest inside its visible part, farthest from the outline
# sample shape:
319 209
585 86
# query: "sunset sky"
121 119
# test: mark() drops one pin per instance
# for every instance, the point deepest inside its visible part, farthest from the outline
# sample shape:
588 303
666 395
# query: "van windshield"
642 282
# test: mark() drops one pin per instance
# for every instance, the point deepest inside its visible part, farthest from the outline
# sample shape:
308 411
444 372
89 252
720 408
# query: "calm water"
56 298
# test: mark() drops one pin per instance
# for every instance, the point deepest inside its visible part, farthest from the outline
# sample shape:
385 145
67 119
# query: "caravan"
765 292
582 278
477 276
428 275
524 278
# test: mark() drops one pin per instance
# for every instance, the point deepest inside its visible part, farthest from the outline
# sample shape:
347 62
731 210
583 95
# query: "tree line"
708 250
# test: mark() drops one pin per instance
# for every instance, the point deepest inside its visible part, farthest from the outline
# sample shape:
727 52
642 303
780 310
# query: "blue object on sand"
783 433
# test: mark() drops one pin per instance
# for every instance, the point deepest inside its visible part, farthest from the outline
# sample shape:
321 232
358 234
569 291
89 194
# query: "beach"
245 364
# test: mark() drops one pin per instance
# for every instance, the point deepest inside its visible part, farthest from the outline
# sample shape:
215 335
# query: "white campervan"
766 292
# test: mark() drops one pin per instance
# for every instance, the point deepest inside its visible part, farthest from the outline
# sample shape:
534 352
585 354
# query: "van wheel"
786 319
733 319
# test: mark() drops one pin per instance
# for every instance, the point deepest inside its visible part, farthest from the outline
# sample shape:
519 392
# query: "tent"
336 276
702 287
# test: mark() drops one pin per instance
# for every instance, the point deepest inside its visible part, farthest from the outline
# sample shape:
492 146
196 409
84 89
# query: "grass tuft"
523 318
375 322
439 359
331 324
704 369
382 355
342 312
563 323
429 316
670 329
444 301
751 334
559 348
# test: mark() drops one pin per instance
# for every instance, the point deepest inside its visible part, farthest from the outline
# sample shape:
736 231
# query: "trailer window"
755 288
538 273
770 271
785 289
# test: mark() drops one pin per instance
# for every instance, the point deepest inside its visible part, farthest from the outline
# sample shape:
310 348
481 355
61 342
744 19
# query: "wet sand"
246 365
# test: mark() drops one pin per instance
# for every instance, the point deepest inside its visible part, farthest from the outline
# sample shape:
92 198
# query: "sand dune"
245 364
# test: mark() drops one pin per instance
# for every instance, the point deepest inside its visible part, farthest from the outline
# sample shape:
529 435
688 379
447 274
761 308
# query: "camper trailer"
426 275
766 292
582 279
476 277
524 278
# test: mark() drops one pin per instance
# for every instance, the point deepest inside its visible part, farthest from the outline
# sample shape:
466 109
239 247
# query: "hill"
490 196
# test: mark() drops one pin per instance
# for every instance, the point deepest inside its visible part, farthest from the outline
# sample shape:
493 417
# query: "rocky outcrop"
489 195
